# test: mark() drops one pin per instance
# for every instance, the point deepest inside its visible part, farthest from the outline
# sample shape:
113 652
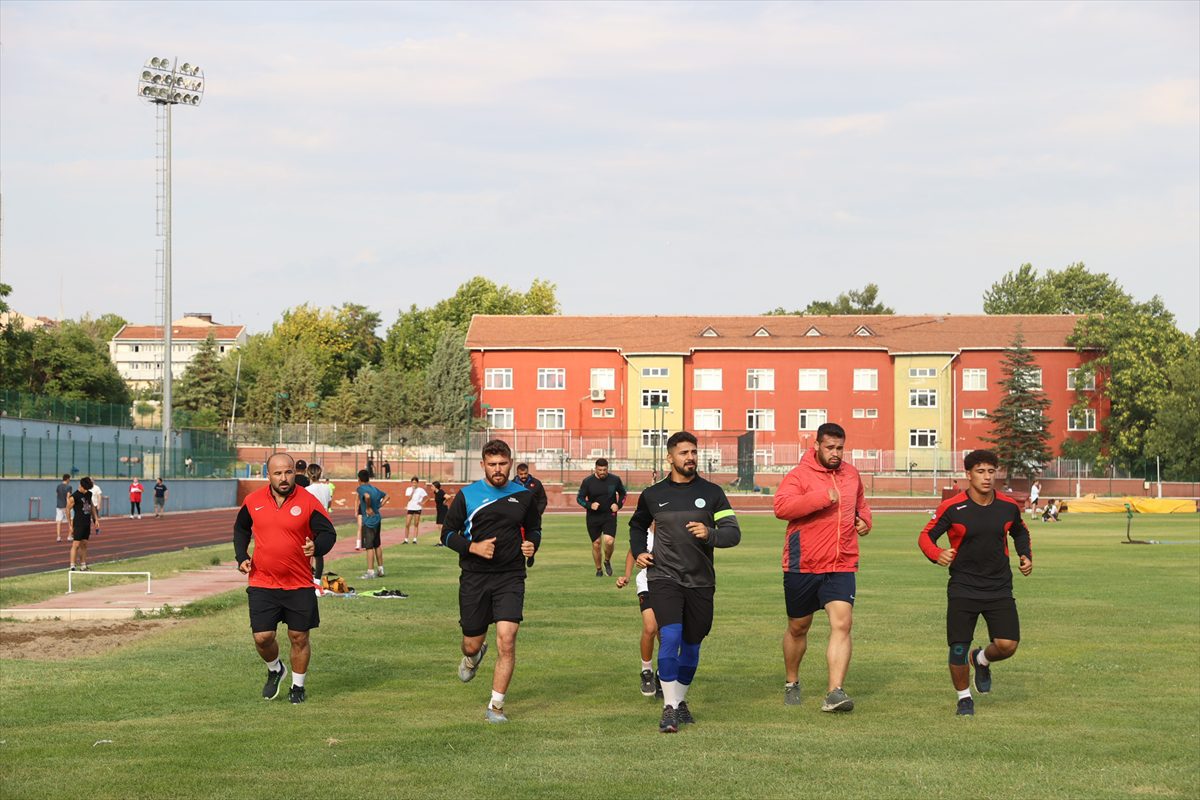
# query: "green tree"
16 349
1072 290
68 362
864 301
450 381
1175 433
1020 429
205 385
103 328
358 344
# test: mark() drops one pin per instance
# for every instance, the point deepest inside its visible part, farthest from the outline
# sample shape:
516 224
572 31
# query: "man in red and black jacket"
978 523
288 527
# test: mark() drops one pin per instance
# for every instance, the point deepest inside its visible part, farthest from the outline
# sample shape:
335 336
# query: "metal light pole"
470 398
164 84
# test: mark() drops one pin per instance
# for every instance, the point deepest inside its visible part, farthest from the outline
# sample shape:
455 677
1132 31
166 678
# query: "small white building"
137 350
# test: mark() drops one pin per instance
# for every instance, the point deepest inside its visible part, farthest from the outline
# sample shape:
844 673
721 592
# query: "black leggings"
318 566
135 506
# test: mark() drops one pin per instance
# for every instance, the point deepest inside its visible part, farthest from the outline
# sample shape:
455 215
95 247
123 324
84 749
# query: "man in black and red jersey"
978 523
288 527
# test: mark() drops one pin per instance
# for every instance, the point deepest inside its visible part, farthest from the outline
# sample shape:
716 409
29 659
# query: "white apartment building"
137 350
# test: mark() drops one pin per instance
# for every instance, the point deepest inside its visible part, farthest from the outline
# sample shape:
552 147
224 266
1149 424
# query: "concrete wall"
184 495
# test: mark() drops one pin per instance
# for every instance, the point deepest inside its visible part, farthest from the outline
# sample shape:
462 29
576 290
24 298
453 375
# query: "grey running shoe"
966 708
469 664
608 568
647 683
668 723
791 694
983 675
837 701
296 695
683 715
495 715
274 681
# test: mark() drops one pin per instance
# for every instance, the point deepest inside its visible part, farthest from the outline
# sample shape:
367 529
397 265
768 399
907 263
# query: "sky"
658 158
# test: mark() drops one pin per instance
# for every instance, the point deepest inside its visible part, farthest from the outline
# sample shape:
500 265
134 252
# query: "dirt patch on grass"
49 640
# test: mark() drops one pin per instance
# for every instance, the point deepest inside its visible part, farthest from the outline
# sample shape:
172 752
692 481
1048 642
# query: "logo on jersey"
296 511
660 505
700 502
960 508
513 500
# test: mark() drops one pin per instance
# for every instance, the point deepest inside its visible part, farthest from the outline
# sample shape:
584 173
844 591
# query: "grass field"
1102 700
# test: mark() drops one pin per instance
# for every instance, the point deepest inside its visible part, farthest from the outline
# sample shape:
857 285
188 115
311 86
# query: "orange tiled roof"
944 333
199 333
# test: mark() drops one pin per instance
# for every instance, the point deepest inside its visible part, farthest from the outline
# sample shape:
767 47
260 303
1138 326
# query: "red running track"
30 547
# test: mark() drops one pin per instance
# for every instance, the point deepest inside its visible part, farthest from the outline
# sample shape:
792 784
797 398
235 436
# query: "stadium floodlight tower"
166 83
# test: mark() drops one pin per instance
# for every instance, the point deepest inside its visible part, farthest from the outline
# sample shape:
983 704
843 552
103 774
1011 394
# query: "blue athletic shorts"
805 592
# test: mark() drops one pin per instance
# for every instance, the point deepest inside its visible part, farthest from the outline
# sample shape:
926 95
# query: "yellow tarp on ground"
1143 505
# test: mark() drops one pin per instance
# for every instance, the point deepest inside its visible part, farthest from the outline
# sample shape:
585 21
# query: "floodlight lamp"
146 75
186 69
145 91
154 61
165 63
195 100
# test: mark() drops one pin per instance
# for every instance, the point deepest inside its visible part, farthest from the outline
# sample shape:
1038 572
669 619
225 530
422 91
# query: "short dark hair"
86 484
681 436
601 462
437 484
66 476
364 476
522 466
830 429
497 447
977 457
413 478
301 465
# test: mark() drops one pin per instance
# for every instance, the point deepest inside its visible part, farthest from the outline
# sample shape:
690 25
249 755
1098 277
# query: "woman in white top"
416 495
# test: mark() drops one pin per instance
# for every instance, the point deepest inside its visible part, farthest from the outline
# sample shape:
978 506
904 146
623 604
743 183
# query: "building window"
497 378
866 413
551 419
1035 378
137 348
762 380
552 378
866 380
500 418
813 418
605 379
603 413
922 437
1081 419
760 419
974 380
610 413
813 380
1088 384
922 372
707 419
653 438
974 413
707 380
922 398
656 372
656 397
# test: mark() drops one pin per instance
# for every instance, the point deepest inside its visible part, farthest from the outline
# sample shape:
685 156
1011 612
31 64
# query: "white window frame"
497 417
974 380
760 380
548 376
656 372
922 372
809 419
551 415
707 376
760 419
707 419
1036 372
916 435
498 378
648 436
604 378
649 394
866 413
915 397
866 380
598 412
1073 383
819 377
1088 421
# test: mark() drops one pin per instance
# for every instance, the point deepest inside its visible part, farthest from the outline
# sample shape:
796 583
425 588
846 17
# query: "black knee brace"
958 653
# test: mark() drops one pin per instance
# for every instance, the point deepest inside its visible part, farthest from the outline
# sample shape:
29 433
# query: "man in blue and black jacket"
494 525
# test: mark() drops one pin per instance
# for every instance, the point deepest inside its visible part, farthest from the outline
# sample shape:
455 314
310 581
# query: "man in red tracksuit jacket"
826 511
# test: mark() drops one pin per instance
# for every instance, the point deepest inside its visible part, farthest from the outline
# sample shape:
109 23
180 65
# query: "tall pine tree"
1020 429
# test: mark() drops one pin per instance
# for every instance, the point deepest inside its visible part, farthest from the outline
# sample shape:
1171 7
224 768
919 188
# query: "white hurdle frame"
72 573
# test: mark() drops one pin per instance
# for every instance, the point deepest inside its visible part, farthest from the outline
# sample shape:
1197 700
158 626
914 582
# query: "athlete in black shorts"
83 515
494 526
601 494
690 516
978 522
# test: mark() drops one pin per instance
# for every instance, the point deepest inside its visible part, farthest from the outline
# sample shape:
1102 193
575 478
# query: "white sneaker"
379 572
367 576
470 665
495 715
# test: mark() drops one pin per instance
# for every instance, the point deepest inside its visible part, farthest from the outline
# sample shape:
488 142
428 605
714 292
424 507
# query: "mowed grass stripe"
1102 700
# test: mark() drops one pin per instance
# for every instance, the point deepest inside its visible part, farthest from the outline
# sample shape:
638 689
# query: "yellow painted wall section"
940 419
644 418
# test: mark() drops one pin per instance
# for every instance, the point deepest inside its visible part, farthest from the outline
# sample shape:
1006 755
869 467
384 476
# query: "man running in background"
416 495
601 494
532 484
135 498
287 527
84 516
978 523
61 493
823 502
371 501
494 526
690 516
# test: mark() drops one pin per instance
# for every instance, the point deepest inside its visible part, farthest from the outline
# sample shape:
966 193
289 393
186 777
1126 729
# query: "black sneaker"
599 573
983 675
668 723
608 568
296 695
966 707
683 714
647 683
657 686
274 681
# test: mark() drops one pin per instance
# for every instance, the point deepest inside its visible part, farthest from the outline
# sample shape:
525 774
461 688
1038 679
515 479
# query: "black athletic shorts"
81 535
413 513
296 608
487 597
370 536
643 600
441 514
805 592
692 606
999 614
601 523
